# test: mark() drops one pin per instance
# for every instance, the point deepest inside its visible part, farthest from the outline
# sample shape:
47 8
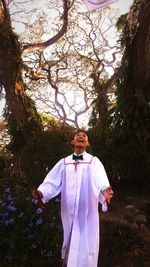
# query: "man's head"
80 141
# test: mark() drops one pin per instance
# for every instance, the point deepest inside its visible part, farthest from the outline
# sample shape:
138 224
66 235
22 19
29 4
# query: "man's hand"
38 195
108 194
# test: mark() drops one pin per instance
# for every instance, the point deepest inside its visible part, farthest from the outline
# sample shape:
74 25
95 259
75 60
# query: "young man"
82 181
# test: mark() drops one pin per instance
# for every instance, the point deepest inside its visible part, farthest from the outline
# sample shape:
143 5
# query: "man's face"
80 140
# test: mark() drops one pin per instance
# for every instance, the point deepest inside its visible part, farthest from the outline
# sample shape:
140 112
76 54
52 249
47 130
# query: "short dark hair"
79 131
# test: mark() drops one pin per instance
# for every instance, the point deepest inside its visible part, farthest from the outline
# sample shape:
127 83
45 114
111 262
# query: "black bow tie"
78 157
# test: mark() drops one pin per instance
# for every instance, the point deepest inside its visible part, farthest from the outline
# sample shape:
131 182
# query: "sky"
122 6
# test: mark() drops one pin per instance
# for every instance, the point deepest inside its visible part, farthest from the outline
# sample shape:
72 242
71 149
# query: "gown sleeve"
51 185
99 181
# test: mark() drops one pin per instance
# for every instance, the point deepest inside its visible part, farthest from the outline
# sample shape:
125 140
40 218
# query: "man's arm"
101 182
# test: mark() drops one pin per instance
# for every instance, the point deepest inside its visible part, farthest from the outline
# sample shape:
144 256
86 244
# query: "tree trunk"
139 46
22 118
134 82
132 119
11 74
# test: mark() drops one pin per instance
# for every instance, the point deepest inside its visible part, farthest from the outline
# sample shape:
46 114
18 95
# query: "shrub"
29 237
44 151
5 162
121 244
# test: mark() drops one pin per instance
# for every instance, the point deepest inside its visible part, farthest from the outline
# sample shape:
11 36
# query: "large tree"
78 46
62 74
132 118
11 68
22 118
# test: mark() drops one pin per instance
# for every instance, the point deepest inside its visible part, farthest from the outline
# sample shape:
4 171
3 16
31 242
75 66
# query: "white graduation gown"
80 185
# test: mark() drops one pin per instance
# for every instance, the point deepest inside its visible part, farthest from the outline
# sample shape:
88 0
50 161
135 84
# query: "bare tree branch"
40 46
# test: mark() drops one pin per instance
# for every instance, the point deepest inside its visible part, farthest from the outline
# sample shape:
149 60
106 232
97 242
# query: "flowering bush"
29 236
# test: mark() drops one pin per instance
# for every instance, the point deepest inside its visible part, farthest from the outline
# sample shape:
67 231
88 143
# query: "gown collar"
87 158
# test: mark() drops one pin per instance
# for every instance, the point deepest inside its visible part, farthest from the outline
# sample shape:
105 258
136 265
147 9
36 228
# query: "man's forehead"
80 132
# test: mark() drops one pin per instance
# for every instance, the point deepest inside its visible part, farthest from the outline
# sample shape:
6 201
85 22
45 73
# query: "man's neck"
79 151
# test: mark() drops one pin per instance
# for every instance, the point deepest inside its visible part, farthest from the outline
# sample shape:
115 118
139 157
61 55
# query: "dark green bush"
121 244
28 237
44 151
5 162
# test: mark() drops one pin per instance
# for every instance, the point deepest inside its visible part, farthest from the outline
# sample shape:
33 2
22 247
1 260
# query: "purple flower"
5 214
7 222
34 201
39 221
7 190
12 221
11 208
1 202
39 211
10 198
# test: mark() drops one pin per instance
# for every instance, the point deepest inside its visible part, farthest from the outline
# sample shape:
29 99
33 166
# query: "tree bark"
139 45
11 73
134 83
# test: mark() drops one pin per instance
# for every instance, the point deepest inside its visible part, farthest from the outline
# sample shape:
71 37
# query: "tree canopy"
68 64
57 72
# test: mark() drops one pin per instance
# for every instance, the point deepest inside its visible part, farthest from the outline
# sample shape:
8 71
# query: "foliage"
31 237
123 144
121 26
34 124
44 150
130 131
99 127
28 236
5 162
121 244
62 65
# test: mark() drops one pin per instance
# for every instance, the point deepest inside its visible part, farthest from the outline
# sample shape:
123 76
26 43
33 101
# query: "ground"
125 230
